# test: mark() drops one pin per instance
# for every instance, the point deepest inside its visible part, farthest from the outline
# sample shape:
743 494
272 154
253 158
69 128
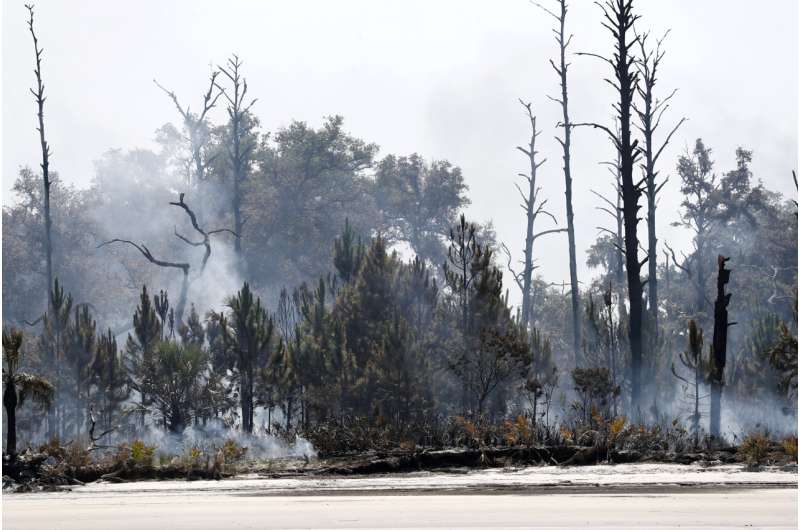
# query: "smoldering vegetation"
241 295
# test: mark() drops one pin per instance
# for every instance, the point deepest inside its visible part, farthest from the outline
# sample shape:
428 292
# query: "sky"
438 78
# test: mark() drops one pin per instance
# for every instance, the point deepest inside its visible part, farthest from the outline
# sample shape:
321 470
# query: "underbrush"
600 439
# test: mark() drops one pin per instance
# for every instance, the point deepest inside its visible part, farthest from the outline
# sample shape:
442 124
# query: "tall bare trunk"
561 69
38 94
620 19
650 117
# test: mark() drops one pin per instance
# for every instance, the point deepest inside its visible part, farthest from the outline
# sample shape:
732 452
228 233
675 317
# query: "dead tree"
561 69
614 209
183 266
40 98
650 111
206 242
196 126
239 147
719 348
619 20
533 207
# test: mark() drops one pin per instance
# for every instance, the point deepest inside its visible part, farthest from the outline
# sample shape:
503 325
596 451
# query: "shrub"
754 448
789 445
76 456
232 451
142 454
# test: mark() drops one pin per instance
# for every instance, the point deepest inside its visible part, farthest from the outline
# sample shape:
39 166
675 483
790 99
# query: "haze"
439 78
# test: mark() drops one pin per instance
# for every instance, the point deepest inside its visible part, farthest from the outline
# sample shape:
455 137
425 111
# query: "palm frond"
35 387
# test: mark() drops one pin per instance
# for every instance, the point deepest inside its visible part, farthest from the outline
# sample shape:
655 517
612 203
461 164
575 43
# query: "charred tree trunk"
720 345
38 94
619 20
631 192
563 42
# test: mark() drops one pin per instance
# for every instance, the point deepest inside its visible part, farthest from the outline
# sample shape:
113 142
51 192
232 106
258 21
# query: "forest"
298 291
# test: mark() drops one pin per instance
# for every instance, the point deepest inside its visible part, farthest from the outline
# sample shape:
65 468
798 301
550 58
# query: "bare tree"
239 147
533 207
561 69
183 266
619 20
650 111
206 242
196 126
40 98
614 210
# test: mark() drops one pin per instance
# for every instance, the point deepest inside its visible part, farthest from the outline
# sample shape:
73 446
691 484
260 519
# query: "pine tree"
248 332
147 332
107 375
80 349
348 253
54 343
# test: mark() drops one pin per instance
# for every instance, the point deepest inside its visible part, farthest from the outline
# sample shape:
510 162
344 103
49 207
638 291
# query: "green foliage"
109 379
172 381
419 201
248 334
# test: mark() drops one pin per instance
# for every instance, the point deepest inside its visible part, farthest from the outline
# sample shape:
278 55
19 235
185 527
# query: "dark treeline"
295 279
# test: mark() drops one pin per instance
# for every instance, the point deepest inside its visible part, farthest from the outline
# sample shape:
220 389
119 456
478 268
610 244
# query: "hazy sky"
439 78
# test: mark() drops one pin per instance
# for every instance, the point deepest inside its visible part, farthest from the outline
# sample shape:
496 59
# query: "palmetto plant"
19 386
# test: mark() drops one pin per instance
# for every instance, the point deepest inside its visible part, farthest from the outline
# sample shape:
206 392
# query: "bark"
38 94
720 345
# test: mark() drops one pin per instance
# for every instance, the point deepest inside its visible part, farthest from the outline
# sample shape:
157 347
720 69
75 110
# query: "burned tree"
196 126
533 207
719 348
40 98
650 111
239 146
182 266
614 210
619 20
563 42
206 242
